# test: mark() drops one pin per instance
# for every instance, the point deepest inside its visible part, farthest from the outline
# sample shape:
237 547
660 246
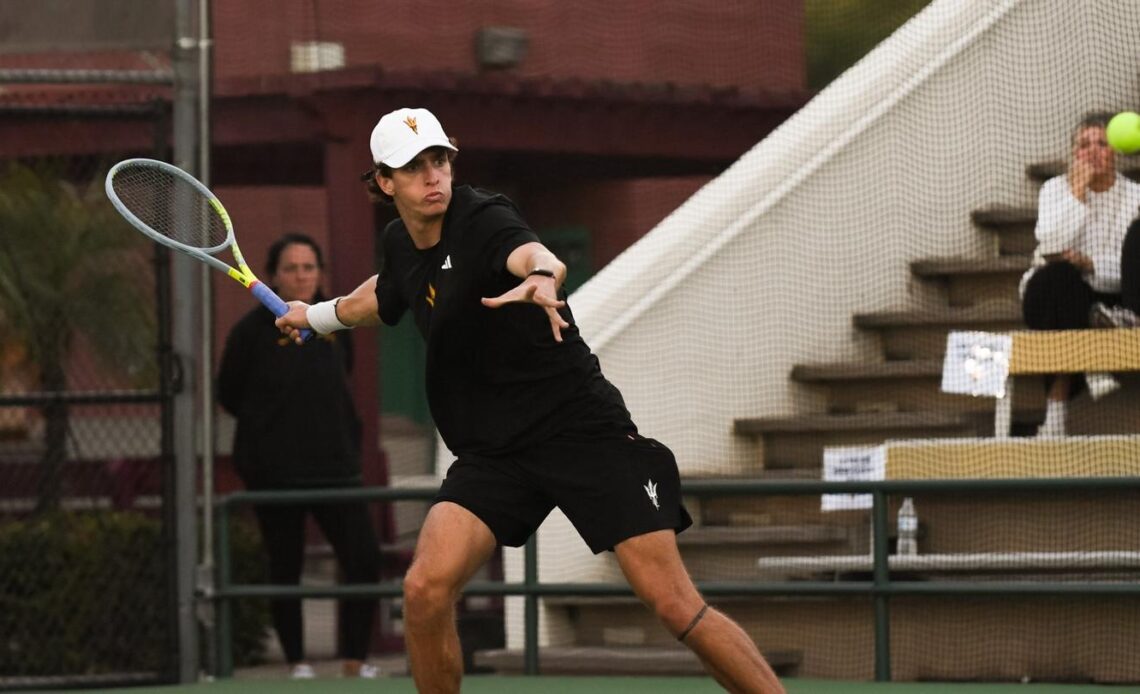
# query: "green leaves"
73 273
840 32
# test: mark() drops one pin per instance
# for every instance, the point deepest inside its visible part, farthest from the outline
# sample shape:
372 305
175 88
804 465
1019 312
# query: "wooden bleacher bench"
1071 456
994 458
1039 352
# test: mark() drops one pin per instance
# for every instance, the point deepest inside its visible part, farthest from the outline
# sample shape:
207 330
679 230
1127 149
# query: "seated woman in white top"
1085 267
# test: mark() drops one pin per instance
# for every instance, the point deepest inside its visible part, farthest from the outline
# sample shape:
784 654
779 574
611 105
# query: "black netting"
808 239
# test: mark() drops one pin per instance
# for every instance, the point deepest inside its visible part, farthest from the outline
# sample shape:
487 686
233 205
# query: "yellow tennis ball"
1123 132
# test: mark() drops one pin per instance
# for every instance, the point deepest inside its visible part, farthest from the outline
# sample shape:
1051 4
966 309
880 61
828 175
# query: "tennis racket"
177 210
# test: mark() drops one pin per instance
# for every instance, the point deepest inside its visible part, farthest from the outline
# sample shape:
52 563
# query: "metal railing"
880 588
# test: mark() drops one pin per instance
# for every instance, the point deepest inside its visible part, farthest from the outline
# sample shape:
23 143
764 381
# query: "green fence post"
530 580
224 614
881 579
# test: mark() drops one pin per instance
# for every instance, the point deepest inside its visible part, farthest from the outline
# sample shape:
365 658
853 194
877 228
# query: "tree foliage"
840 32
72 276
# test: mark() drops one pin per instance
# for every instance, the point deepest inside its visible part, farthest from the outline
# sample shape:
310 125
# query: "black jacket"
296 423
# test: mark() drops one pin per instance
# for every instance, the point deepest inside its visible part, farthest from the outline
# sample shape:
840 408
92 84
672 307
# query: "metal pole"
206 348
225 625
881 577
167 364
530 602
184 299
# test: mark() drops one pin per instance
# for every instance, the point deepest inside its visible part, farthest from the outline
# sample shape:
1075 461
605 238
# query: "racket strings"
170 206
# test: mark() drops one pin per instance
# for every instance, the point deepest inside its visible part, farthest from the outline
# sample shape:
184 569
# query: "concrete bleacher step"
798 441
753 536
971 281
818 423
620 631
1012 226
1005 218
959 318
867 371
906 384
921 333
946 267
830 637
791 523
617 660
728 552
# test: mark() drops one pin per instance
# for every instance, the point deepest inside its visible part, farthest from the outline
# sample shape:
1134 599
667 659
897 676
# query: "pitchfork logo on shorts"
651 490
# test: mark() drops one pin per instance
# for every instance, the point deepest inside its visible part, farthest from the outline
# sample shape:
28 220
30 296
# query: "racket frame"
242 273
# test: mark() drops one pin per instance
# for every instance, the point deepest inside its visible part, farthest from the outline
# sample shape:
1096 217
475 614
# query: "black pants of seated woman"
1058 298
1130 268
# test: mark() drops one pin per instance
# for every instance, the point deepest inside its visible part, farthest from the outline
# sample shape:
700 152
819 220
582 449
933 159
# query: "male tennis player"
520 399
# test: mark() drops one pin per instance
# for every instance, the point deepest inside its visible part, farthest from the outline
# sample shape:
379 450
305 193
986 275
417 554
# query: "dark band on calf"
693 623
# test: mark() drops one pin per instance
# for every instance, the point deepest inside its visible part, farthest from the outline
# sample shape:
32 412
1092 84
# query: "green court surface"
488 684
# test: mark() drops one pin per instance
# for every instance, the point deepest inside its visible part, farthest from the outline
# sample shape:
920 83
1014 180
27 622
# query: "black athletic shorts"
611 489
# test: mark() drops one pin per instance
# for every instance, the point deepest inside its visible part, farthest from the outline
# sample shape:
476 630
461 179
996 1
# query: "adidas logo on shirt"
446 263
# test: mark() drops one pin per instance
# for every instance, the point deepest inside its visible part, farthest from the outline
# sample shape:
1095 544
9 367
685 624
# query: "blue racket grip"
274 303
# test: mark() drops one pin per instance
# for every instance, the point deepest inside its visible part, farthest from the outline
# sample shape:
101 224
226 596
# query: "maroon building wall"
755 45
261 214
615 115
617 213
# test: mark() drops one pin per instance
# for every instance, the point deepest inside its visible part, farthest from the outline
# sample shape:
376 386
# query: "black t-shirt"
296 422
496 379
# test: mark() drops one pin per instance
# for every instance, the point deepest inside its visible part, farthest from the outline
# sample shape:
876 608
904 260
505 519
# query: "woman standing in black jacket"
275 389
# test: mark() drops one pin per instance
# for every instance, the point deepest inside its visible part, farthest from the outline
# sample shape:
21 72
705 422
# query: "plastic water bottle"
908 528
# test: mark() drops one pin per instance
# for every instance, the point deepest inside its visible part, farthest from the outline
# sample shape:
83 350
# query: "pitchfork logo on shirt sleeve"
651 490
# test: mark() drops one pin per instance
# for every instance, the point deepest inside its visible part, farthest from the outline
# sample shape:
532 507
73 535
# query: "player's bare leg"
652 565
452 545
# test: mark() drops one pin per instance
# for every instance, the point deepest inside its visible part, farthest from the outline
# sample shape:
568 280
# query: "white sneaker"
1103 316
1101 384
1054 429
302 671
368 672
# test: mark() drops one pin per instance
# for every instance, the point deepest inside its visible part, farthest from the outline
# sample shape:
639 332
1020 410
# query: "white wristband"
323 317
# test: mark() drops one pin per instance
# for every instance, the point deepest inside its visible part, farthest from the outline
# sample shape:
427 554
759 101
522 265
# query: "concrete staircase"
898 396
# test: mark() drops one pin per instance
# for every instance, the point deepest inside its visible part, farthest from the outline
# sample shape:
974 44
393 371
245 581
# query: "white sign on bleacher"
845 463
976 363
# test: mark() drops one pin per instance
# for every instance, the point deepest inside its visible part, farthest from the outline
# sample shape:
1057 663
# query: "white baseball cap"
404 133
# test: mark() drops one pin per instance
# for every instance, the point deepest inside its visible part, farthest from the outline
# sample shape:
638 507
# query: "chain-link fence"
85 381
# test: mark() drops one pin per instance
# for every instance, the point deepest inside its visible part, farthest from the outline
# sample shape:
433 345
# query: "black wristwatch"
541 271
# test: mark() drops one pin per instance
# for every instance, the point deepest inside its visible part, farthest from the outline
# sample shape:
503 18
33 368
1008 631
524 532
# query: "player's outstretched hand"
293 321
539 290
